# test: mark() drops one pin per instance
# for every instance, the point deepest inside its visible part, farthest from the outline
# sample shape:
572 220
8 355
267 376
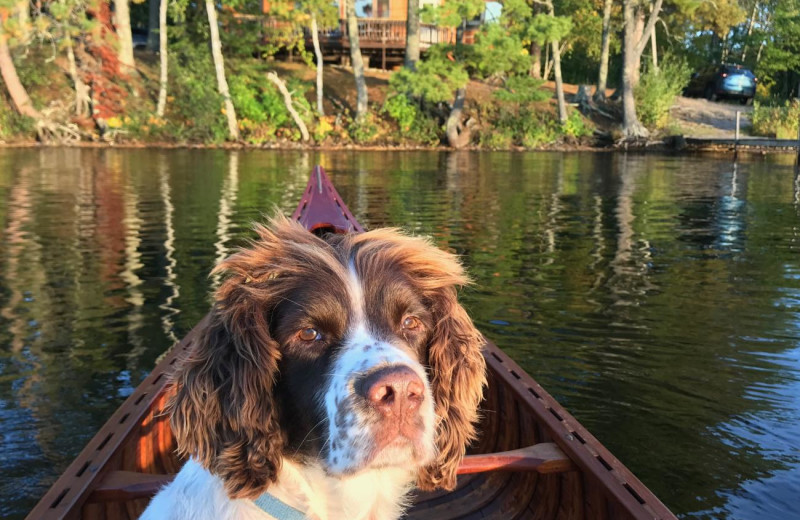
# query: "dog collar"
277 509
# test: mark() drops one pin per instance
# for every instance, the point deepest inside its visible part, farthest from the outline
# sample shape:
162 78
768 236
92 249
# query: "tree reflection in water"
656 297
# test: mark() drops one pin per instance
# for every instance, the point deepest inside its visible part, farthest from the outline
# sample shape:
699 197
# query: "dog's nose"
394 391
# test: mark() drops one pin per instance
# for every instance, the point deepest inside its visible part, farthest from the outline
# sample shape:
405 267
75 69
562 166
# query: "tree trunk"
153 24
19 96
163 58
638 35
750 23
548 63
602 77
632 128
453 125
412 35
536 60
654 49
562 104
318 53
82 99
635 37
356 60
287 100
219 67
122 22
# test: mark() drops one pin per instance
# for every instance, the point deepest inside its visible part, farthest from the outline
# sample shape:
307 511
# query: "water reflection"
657 297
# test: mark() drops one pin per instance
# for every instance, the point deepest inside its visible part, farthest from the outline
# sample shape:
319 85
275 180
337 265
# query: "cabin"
381 31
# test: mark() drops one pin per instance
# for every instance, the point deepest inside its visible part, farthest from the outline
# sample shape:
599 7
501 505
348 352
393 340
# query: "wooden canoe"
532 460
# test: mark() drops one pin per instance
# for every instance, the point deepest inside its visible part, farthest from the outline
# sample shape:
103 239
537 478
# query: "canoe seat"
545 457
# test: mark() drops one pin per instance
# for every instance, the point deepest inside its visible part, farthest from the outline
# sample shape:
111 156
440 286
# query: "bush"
13 124
778 121
414 124
656 92
576 126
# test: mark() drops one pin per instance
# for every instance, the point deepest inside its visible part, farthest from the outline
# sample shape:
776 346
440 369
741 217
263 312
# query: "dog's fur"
260 408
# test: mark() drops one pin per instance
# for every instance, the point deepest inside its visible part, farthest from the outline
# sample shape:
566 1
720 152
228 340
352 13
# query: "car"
139 38
723 81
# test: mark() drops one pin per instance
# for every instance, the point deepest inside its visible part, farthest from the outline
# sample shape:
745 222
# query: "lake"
656 297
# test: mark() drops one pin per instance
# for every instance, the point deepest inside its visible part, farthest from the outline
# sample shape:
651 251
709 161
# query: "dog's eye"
309 334
411 323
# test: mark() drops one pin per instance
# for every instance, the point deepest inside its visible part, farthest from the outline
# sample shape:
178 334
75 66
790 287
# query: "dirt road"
702 118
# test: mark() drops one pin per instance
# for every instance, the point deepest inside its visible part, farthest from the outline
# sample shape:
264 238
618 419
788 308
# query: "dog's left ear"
458 376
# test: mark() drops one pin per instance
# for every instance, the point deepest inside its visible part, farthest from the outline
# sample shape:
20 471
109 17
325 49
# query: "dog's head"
349 352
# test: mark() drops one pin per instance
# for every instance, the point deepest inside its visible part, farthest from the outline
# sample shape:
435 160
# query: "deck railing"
390 33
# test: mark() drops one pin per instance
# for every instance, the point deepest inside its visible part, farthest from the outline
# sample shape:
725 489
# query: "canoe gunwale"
321 209
67 495
581 446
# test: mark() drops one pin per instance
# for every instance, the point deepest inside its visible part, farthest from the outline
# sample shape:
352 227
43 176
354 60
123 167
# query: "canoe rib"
574 476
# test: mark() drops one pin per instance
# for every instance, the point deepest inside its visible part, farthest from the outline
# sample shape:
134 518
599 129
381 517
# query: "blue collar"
277 509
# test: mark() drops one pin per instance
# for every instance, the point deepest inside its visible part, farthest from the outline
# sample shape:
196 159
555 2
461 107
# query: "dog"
335 375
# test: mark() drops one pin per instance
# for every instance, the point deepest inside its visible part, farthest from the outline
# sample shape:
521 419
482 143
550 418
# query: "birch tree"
19 96
163 58
122 23
219 68
356 60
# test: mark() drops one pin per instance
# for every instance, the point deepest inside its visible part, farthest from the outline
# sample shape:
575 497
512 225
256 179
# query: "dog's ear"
223 412
458 376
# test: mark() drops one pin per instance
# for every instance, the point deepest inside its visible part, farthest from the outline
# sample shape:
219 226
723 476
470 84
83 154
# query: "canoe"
532 459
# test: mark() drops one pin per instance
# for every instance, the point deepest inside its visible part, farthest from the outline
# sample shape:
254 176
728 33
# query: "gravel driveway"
702 118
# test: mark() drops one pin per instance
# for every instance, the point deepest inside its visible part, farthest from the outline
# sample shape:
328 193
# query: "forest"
511 74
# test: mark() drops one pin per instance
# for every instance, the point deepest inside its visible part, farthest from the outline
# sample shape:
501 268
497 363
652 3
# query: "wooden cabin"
381 31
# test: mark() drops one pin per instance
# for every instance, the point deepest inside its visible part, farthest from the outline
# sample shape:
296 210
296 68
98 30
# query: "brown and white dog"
335 374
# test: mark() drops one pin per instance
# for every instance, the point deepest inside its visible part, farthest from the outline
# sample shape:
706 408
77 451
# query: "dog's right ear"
224 413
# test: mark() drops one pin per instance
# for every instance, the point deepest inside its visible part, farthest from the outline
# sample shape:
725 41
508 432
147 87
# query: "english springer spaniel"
335 374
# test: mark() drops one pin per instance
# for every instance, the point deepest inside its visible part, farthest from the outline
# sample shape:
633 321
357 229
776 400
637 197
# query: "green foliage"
453 12
435 80
413 123
498 139
779 68
12 124
657 91
544 28
498 52
195 111
576 126
778 121
364 130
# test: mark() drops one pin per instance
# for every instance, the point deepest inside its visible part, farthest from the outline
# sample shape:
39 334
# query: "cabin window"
383 9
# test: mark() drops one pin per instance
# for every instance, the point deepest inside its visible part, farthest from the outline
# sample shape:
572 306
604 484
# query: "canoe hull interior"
118 471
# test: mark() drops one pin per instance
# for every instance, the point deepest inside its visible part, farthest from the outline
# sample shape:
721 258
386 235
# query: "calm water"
658 298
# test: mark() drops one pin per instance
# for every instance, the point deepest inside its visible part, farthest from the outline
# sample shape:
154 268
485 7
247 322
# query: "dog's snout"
394 391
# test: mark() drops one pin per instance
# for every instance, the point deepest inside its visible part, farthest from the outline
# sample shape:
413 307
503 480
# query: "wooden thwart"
545 457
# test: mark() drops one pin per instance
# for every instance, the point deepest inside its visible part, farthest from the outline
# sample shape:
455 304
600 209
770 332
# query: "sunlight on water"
658 298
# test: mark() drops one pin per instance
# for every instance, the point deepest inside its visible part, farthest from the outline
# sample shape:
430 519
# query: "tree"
356 60
412 34
122 23
634 42
163 58
19 96
219 68
318 13
455 14
556 49
602 76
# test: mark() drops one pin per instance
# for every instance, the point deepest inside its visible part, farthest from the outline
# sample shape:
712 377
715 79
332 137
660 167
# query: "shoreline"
670 144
